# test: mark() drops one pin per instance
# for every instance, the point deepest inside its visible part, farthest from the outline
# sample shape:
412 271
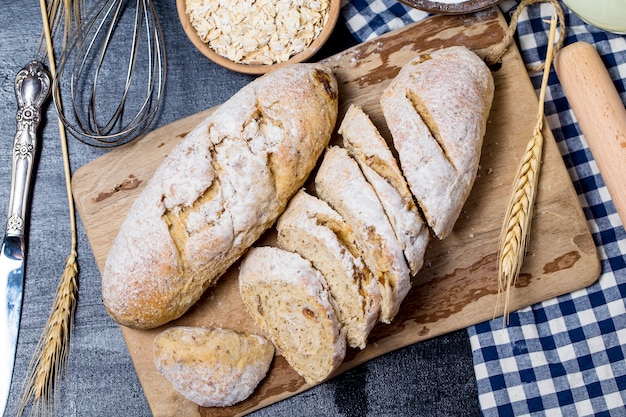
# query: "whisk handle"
32 87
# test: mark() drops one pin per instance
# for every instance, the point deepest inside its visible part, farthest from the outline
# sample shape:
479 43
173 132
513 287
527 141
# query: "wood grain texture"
600 113
457 286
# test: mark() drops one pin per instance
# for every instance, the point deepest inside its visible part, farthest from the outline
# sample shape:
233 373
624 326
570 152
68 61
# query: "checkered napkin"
564 356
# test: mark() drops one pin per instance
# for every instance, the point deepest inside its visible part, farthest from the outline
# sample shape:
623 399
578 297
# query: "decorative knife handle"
32 86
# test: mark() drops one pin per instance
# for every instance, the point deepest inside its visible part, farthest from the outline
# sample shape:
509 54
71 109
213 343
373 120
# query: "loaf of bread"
216 193
436 109
212 367
312 229
370 214
340 182
365 144
290 300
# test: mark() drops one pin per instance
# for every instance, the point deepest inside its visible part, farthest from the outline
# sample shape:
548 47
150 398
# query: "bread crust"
212 367
216 193
436 109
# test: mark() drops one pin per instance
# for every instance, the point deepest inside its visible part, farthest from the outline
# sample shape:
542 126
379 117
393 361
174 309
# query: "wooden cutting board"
457 286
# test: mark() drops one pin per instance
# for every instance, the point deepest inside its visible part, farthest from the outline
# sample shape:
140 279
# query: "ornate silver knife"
32 86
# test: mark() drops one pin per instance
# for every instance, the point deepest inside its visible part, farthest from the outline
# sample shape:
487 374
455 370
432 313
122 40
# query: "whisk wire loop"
94 74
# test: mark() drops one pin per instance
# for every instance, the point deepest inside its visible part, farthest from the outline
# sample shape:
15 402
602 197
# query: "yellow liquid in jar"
609 15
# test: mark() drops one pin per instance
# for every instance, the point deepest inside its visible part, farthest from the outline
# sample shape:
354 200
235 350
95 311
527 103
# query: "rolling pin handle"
600 112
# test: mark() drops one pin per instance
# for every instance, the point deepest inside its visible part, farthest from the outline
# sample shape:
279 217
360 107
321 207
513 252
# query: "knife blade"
32 87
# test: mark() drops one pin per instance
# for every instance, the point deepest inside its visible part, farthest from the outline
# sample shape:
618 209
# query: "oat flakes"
258 31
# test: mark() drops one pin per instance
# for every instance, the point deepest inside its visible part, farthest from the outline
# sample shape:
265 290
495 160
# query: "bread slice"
365 144
212 367
436 109
315 231
291 302
340 182
216 192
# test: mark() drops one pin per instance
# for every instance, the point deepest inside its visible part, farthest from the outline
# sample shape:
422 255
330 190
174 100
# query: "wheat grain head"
515 232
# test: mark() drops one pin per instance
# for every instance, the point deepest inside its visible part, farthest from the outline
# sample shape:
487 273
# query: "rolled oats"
258 31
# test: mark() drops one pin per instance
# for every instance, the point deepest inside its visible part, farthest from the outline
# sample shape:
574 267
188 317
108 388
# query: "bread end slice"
212 367
436 110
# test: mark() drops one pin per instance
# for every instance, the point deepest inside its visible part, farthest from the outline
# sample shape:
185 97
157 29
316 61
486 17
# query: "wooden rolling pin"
600 112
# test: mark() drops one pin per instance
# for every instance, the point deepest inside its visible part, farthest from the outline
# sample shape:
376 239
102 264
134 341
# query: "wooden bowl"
307 53
462 7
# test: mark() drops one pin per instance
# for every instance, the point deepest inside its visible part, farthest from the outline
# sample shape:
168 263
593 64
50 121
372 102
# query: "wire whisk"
111 75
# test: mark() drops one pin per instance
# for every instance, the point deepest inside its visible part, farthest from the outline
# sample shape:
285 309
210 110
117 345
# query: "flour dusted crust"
365 144
216 193
436 109
290 300
311 228
212 367
340 182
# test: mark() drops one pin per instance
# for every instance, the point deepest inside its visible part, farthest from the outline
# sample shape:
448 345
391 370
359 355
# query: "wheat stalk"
516 227
49 358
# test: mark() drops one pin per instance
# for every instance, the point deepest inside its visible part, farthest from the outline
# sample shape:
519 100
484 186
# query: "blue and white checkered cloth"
564 356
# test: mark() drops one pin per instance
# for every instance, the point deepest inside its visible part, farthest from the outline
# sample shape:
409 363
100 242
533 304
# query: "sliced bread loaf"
291 302
311 228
